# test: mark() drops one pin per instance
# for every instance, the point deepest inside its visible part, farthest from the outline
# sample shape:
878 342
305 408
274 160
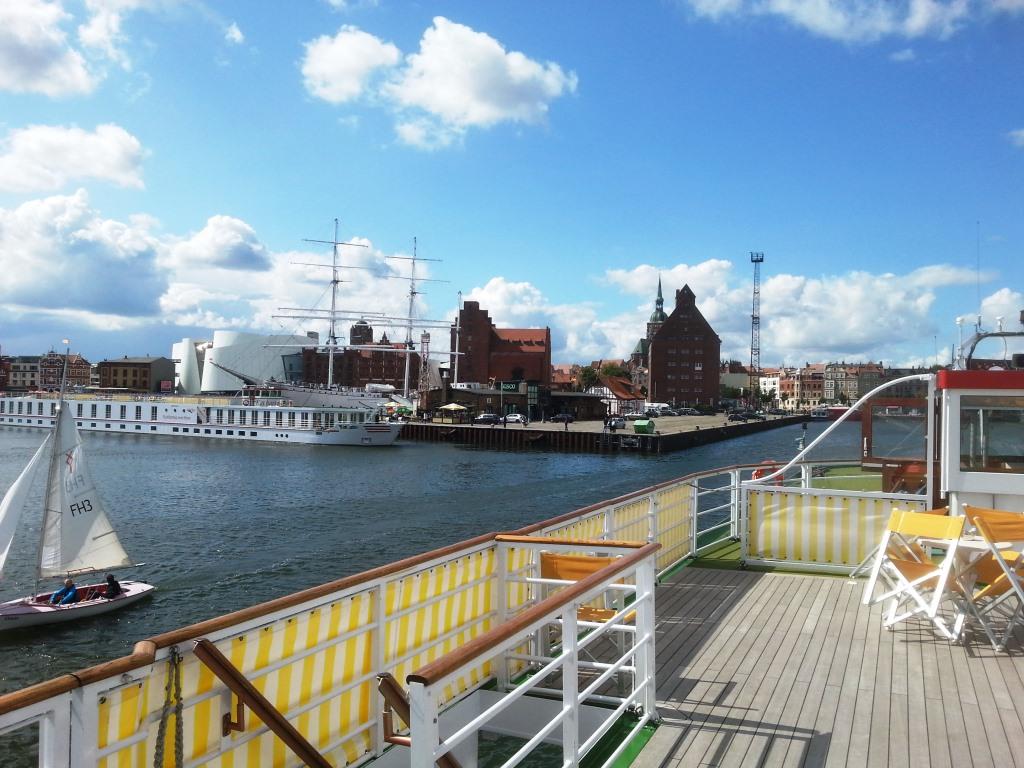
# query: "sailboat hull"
37 610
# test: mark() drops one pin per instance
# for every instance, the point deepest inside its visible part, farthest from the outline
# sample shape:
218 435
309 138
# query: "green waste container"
643 427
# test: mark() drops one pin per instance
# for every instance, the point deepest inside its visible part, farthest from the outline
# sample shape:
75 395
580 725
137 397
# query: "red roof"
621 388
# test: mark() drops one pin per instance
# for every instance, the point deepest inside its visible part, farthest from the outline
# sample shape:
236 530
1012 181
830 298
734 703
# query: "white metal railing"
632 655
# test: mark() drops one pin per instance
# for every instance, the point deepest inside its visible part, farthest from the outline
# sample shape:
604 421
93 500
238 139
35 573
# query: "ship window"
278 419
992 433
78 411
291 418
231 416
220 416
39 409
152 413
138 413
252 434
266 419
174 429
305 419
241 417
3 405
92 410
124 411
106 411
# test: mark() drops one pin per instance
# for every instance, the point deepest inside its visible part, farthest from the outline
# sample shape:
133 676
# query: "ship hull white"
37 611
303 425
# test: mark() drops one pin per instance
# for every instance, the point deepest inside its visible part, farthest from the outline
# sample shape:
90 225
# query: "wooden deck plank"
753 700
788 670
719 681
751 632
804 700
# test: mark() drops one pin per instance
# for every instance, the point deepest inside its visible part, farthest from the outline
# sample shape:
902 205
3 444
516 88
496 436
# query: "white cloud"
905 54
34 53
860 20
48 158
459 79
224 243
1017 137
462 78
57 253
234 35
338 69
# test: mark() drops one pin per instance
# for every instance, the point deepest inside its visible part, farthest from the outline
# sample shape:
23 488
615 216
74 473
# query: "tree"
611 369
588 378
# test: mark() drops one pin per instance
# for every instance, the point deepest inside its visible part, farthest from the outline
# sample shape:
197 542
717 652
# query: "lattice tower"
756 258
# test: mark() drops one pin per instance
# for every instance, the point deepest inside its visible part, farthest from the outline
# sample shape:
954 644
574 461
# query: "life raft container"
766 468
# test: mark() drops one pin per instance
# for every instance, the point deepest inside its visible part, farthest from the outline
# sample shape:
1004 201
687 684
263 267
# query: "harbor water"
221 526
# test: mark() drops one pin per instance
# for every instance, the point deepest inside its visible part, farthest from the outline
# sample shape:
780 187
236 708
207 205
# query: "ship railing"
560 662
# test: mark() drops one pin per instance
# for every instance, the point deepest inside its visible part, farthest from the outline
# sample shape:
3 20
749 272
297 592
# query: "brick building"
682 354
139 374
51 369
359 367
24 373
5 372
489 354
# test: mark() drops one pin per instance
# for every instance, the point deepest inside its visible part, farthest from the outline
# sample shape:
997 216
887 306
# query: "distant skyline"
162 161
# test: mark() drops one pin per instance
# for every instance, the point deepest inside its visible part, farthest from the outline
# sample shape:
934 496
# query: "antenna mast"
756 257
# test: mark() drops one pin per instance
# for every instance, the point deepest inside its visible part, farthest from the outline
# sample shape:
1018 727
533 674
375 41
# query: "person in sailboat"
69 594
113 587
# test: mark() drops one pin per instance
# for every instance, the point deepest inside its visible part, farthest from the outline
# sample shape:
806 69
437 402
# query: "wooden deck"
787 670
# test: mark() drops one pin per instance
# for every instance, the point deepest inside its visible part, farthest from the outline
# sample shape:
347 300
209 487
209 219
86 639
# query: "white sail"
14 501
77 535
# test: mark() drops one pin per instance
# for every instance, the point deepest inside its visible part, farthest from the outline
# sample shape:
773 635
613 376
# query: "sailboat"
76 537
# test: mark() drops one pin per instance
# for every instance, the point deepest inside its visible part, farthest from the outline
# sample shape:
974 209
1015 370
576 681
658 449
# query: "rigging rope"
173 678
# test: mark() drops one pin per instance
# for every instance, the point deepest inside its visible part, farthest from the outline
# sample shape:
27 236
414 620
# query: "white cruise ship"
262 413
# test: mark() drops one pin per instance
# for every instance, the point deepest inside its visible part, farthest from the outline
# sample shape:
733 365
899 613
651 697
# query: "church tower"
658 316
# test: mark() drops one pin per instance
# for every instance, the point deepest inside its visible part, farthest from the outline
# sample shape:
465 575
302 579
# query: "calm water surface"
221 526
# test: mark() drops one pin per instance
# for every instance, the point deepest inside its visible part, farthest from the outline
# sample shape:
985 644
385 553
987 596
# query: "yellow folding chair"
1000 572
914 582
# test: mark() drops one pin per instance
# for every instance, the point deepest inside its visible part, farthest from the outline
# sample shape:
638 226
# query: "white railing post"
737 510
570 688
500 603
83 724
54 743
644 659
379 646
806 475
694 516
652 517
422 726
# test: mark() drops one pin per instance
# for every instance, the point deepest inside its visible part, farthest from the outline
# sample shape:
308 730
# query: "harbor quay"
670 434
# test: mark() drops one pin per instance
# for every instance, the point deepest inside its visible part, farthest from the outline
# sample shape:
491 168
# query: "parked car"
567 418
634 415
616 422
689 412
668 412
738 416
517 418
487 418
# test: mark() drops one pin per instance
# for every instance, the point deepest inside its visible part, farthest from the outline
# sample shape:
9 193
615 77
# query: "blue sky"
161 162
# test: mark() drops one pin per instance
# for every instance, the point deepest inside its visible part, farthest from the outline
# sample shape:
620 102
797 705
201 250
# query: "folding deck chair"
913 581
1000 571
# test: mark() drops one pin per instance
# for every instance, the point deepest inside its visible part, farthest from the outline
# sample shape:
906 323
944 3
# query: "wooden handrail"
513 538
218 663
395 699
480 646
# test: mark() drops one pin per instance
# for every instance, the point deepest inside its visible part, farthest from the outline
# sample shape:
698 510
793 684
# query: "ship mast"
414 260
332 336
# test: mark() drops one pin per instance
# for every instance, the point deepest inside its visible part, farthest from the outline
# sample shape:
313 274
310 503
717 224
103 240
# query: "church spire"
659 316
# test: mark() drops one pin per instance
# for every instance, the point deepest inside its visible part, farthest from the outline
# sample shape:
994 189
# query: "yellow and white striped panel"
822 530
450 601
292 686
584 528
631 522
674 524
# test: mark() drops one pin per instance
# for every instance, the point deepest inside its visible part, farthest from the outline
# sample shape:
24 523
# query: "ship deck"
780 669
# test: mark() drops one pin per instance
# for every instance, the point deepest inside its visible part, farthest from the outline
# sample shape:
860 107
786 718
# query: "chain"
173 679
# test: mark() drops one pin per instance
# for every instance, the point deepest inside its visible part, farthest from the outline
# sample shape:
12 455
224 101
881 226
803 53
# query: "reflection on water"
221 526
